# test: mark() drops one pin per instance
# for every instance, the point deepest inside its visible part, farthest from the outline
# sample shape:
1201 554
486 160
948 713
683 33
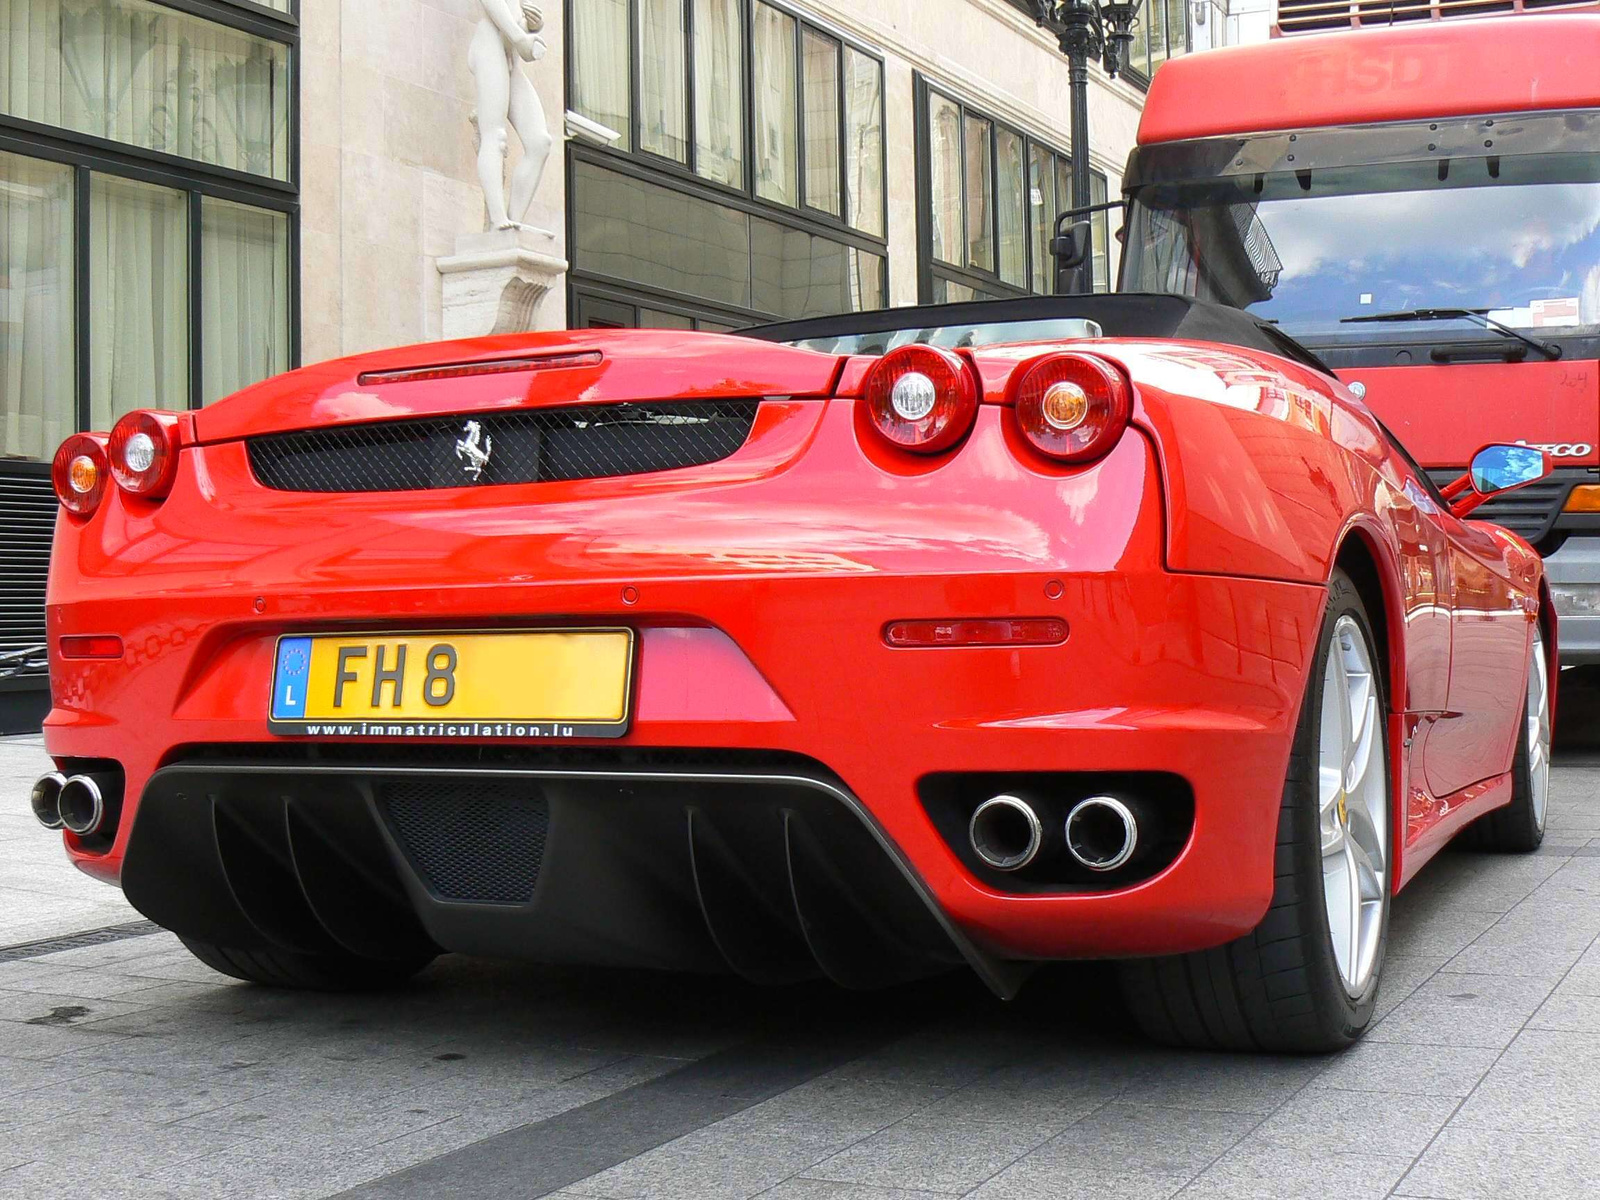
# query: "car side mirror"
1496 468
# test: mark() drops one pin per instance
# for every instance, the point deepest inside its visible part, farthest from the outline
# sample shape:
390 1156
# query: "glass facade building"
750 173
747 178
148 221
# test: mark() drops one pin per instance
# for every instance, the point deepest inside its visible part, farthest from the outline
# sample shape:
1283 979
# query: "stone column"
495 282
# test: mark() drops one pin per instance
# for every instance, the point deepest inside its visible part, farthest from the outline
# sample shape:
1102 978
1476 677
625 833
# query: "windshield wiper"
1481 315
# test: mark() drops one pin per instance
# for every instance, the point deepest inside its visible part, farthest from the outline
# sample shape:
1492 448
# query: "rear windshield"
954 337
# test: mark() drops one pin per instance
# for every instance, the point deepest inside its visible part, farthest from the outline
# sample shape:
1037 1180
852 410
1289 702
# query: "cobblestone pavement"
128 1069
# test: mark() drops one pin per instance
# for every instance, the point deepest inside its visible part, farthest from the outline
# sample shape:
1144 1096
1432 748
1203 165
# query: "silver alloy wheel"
1538 724
1353 807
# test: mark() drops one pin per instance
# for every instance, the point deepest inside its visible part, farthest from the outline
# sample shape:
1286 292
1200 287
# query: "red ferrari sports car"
864 647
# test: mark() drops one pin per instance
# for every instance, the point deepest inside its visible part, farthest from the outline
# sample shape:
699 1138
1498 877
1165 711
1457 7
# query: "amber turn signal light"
1072 407
1585 498
989 631
80 473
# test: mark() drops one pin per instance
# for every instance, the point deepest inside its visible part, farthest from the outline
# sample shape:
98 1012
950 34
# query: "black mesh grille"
472 840
526 446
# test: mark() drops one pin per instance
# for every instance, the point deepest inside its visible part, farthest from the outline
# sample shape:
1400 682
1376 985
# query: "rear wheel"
1518 828
307 972
1306 979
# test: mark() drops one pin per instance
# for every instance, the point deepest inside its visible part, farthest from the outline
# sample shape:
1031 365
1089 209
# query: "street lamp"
1087 29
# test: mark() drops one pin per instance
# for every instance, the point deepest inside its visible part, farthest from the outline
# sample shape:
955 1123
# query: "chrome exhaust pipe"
1102 833
84 802
1005 833
46 799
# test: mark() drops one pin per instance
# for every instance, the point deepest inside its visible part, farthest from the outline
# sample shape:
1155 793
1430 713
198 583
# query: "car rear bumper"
776 874
1212 703
760 606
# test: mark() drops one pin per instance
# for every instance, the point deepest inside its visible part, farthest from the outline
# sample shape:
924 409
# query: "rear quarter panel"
1266 464
1270 467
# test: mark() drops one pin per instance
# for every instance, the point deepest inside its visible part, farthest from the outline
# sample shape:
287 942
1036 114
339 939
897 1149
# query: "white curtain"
138 283
1011 211
777 154
980 229
244 266
148 76
1042 204
36 298
863 90
599 81
819 57
30 59
719 91
663 80
944 139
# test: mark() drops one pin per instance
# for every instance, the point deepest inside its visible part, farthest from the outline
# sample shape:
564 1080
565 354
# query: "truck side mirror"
1498 467
1072 248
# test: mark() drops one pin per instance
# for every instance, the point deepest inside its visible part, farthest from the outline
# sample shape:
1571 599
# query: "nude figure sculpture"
508 35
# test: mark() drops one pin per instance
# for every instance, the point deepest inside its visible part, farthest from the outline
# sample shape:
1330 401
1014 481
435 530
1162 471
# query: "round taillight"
1072 407
144 452
921 398
80 473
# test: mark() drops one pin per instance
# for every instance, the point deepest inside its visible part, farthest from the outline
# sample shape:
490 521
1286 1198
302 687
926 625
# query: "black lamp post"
1087 29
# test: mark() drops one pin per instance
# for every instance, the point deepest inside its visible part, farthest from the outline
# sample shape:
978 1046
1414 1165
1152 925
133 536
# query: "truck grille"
525 446
1530 511
27 523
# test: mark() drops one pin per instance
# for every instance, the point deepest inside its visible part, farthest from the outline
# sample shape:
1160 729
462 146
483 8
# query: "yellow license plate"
521 684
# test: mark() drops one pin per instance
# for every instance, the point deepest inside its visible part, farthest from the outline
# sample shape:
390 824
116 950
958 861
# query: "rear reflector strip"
493 366
1002 631
94 645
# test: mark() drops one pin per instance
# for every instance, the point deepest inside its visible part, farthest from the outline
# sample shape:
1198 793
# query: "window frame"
841 170
88 154
1133 75
612 287
670 171
628 158
637 296
1141 79
246 6
931 270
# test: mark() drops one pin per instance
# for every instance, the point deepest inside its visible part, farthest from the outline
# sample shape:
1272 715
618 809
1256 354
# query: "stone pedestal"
495 282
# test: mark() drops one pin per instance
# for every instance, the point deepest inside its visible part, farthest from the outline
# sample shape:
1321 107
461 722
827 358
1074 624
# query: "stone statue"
508 35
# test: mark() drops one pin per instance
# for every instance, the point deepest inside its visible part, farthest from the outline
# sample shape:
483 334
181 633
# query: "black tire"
1278 988
306 972
1516 828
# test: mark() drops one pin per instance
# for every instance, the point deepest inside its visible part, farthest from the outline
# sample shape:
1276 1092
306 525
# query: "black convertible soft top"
1119 315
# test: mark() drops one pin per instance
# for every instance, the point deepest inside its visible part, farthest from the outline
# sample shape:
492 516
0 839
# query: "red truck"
1419 205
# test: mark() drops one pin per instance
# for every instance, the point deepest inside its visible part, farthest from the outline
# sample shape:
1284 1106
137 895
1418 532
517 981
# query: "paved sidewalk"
129 1070
42 896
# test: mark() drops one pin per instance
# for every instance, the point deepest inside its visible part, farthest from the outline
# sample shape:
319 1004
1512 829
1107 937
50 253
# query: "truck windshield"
1517 238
